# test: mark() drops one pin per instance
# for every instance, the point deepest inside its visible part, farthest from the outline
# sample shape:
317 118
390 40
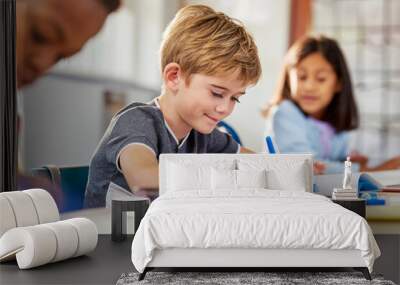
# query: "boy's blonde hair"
203 41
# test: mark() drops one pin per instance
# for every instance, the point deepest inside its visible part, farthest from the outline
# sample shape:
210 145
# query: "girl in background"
314 109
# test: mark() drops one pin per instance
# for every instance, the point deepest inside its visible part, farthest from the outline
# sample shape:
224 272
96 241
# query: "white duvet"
253 218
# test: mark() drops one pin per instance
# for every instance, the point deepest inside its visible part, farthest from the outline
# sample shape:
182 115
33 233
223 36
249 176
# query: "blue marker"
371 198
270 145
375 201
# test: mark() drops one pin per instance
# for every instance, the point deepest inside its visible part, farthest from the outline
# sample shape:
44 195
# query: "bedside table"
356 205
119 207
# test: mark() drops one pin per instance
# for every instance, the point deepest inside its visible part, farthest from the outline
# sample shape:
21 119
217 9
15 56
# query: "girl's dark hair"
342 112
110 5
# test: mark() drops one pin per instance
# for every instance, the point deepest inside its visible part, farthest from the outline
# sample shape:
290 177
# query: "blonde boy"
207 61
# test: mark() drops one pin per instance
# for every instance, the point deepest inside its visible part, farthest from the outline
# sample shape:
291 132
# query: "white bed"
256 210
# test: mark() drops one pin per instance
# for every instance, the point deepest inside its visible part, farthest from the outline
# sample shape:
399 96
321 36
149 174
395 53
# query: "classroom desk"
100 216
384 219
104 265
385 227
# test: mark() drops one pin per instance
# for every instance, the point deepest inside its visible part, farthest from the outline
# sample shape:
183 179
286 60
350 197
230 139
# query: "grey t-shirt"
141 123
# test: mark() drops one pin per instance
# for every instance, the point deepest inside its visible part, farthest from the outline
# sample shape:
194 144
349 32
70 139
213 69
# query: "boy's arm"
245 150
139 166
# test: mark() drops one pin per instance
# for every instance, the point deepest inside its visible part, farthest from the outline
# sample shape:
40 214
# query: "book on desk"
380 189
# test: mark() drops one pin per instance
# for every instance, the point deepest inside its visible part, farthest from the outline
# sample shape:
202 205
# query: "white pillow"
282 173
223 179
236 179
188 177
251 178
293 180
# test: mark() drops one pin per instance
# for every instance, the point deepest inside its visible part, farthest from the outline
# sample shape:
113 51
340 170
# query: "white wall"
268 21
62 122
151 18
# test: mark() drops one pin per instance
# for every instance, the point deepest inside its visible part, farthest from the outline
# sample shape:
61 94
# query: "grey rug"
229 278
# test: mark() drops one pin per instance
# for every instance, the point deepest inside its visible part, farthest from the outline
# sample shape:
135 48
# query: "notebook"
116 192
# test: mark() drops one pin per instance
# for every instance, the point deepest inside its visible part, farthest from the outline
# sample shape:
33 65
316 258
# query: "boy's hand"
245 150
319 167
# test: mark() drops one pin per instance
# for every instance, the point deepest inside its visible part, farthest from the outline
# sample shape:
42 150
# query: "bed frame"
247 259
